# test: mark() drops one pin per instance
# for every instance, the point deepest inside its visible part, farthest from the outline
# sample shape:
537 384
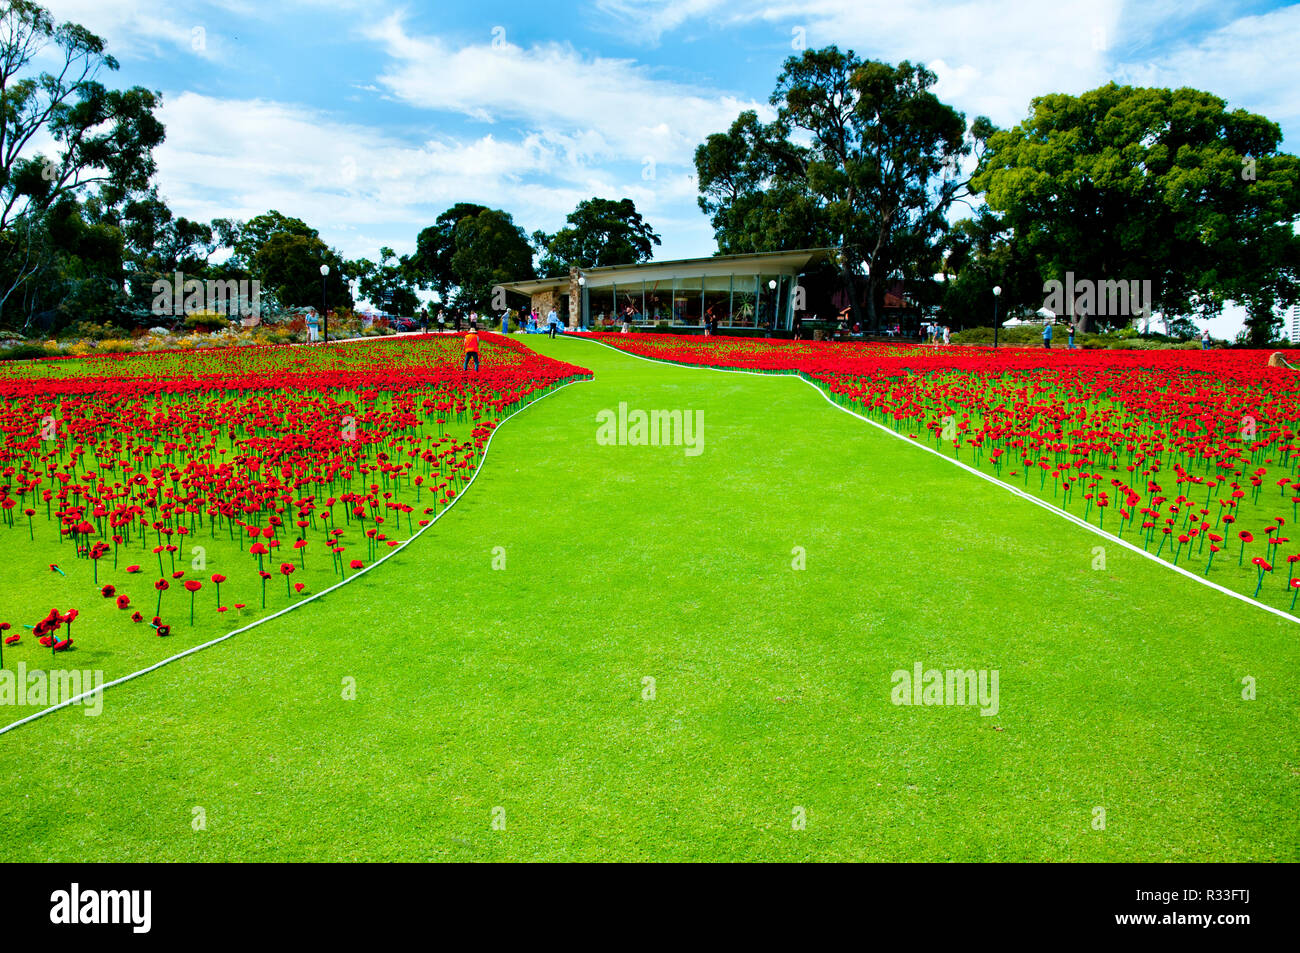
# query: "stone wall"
544 302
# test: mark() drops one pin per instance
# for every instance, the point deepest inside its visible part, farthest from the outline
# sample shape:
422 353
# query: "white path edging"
1041 503
312 598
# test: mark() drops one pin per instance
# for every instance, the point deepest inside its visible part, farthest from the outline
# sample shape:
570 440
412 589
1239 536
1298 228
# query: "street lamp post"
997 293
324 308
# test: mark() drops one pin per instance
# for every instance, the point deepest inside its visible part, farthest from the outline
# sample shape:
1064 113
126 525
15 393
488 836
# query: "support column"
575 298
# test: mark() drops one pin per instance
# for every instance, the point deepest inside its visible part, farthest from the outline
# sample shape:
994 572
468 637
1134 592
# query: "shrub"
206 321
23 352
92 331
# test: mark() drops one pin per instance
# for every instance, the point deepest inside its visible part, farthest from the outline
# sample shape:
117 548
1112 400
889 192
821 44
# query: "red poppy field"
1191 455
622 650
153 501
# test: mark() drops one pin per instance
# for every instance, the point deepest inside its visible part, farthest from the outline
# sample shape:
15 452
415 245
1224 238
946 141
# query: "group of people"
1047 336
533 324
932 332
455 320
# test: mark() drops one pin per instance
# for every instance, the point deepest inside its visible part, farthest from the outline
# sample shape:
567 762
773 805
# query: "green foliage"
877 178
1153 184
599 232
386 284
429 266
95 332
96 138
206 321
487 250
288 264
23 352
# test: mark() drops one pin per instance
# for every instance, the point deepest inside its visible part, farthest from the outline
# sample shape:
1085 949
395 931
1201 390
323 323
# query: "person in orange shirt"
471 347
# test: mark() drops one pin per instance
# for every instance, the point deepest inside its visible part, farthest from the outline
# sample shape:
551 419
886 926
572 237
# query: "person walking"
424 320
505 322
1205 340
947 334
1070 340
471 348
1047 335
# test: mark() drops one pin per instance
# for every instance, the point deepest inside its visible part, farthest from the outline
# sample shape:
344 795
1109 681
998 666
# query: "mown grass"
523 688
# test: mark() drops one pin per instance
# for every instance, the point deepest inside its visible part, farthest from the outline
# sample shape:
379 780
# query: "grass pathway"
522 689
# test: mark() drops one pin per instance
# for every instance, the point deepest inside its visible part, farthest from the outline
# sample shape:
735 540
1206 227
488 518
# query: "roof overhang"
759 263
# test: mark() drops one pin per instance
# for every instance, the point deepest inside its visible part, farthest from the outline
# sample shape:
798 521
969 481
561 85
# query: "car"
405 324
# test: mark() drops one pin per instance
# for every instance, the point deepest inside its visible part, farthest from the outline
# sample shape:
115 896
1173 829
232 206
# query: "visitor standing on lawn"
1047 335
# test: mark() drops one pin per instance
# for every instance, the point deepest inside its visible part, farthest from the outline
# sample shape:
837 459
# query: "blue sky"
368 119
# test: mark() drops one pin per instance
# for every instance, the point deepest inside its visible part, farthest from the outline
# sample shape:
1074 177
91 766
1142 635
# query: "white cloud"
993 56
990 56
1251 62
602 108
648 20
363 188
139 28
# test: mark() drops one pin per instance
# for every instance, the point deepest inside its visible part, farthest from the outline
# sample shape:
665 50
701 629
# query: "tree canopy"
468 251
97 137
1166 186
880 172
599 232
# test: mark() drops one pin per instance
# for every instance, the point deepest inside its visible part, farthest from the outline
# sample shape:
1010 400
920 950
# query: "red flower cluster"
288 447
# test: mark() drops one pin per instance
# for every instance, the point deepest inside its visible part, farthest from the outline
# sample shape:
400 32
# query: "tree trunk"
852 291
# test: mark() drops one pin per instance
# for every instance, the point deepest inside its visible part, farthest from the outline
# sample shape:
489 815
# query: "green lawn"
523 689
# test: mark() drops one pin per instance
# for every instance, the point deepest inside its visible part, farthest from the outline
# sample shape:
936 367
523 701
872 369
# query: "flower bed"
170 493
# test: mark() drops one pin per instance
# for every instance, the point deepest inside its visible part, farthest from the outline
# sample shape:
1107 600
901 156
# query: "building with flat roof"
737 291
